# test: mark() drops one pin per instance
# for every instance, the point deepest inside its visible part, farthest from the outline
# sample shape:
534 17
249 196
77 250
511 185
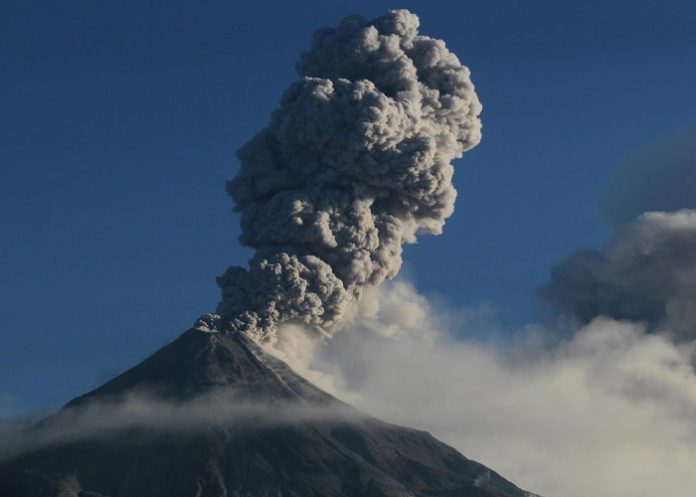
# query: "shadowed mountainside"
334 451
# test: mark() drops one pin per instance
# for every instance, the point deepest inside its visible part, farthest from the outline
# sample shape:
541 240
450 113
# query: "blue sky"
119 122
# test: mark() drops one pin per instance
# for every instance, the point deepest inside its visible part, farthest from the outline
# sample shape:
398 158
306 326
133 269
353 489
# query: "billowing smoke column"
355 162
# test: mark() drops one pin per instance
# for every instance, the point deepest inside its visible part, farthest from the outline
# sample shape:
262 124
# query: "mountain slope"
333 451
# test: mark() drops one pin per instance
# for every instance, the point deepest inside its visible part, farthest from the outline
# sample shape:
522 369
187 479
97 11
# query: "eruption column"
356 161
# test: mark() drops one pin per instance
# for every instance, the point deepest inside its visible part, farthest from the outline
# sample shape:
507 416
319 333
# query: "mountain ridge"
340 452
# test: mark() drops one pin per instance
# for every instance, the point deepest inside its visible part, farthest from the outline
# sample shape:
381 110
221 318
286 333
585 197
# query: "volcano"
338 453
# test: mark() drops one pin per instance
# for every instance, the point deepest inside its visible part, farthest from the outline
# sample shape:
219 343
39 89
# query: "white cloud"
609 413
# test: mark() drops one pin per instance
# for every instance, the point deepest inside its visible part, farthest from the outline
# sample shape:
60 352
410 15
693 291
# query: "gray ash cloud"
647 272
355 162
659 177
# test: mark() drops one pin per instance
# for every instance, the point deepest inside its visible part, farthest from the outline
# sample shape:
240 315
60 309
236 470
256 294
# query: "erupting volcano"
356 161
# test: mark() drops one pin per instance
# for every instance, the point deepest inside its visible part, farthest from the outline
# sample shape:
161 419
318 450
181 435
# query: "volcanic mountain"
275 435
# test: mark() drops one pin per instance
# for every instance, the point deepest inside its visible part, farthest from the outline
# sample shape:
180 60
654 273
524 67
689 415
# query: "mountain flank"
276 435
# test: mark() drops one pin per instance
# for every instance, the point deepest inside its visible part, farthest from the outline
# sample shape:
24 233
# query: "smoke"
355 162
607 413
646 273
602 404
660 177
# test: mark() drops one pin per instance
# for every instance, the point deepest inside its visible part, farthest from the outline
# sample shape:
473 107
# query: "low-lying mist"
144 413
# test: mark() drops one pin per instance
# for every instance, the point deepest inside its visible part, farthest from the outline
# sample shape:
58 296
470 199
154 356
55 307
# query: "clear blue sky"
119 122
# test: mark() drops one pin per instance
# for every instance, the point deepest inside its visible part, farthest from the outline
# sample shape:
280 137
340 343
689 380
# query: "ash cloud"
600 405
646 273
660 177
608 412
355 162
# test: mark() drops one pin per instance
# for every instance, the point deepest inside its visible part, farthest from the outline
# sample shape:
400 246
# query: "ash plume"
355 162
660 177
647 272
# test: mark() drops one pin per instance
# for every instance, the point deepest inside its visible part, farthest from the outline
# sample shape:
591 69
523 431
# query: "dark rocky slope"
341 454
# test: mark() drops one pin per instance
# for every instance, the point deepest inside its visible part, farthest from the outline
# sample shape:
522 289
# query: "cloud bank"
647 273
356 161
607 413
601 405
